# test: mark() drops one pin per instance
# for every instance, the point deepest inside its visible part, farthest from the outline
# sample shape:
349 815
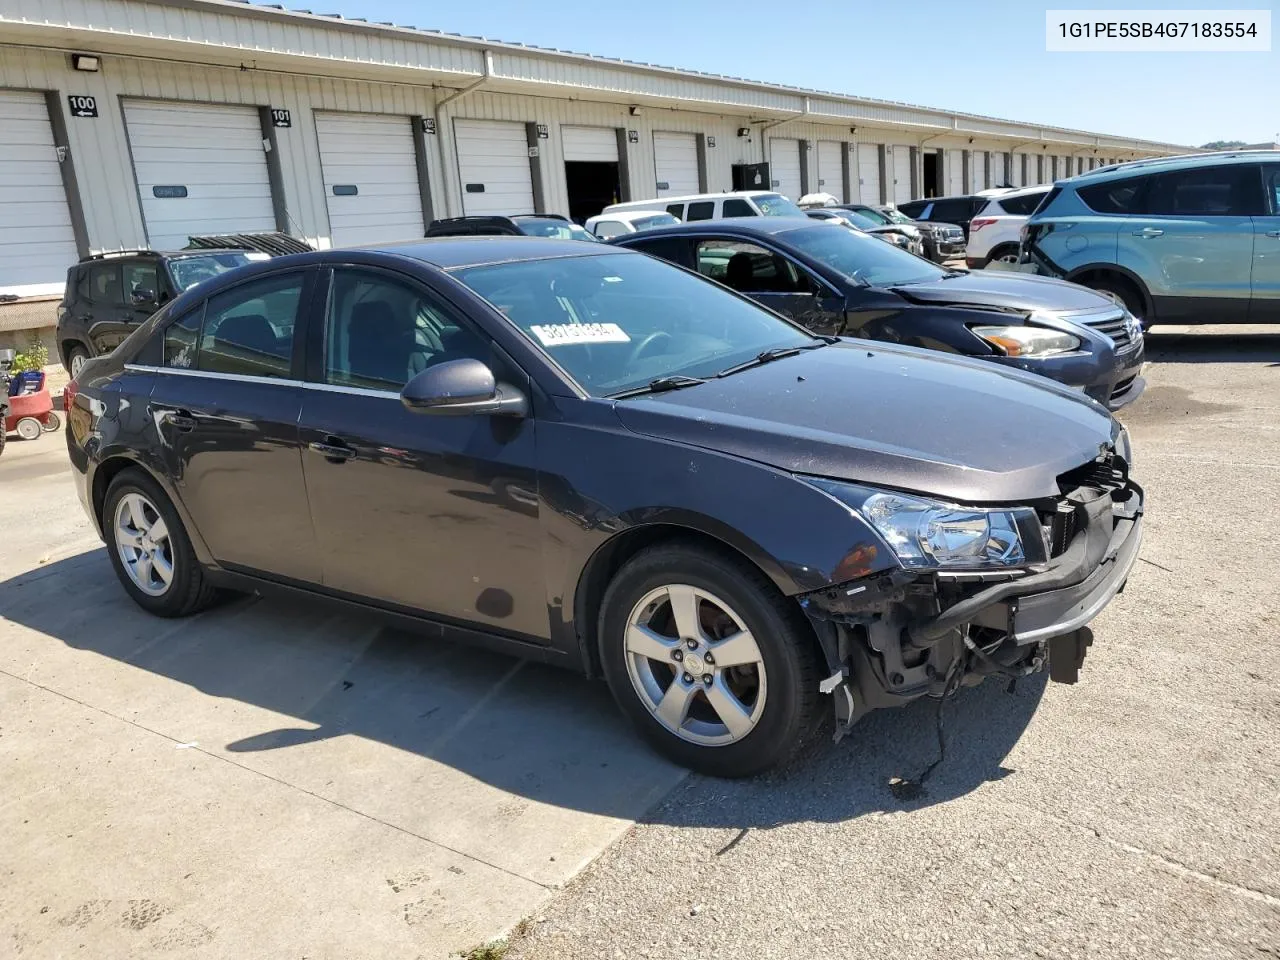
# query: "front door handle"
1148 232
179 420
334 449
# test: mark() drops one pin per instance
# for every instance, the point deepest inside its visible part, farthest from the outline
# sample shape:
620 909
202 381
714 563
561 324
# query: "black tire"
75 355
1126 292
189 590
791 711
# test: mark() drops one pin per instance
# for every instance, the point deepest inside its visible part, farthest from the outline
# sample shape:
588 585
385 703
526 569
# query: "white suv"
716 206
994 230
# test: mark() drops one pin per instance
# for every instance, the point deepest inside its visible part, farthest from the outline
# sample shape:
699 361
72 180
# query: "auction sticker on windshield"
563 334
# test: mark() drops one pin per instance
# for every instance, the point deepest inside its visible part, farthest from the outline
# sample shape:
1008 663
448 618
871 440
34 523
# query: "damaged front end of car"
979 591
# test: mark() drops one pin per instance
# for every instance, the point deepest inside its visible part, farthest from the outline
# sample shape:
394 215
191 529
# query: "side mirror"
143 298
462 388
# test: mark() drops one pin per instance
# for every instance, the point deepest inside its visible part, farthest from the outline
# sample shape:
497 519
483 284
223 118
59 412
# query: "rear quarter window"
1022 206
1122 197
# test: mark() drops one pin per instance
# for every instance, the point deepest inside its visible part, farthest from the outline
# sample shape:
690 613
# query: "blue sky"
978 56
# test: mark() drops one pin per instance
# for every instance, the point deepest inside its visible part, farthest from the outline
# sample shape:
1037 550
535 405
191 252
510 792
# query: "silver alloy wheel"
1008 258
77 364
142 539
695 665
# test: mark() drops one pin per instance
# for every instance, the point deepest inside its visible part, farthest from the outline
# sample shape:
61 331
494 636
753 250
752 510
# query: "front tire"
708 660
150 550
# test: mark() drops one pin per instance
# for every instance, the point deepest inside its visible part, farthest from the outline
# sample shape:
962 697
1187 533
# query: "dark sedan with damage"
839 282
575 453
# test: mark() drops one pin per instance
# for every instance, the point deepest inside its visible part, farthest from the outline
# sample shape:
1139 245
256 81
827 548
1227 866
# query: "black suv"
957 210
551 225
110 294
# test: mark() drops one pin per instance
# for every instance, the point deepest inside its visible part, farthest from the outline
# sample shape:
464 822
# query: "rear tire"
729 688
1005 253
150 550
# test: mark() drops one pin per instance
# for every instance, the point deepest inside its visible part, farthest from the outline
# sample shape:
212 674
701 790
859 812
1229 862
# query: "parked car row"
562 449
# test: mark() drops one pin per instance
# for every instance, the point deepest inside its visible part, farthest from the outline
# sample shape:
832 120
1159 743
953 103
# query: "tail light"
980 223
69 395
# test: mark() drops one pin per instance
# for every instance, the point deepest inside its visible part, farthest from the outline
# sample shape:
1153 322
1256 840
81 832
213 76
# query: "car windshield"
551 227
858 219
863 257
620 321
895 216
188 271
776 205
657 220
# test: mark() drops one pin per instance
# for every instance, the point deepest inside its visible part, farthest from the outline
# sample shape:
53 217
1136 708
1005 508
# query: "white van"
717 206
620 222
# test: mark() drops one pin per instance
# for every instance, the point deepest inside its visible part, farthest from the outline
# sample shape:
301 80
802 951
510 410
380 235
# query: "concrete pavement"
269 780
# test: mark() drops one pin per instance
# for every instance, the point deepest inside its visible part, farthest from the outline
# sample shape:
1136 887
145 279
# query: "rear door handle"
334 449
1148 232
1273 233
179 419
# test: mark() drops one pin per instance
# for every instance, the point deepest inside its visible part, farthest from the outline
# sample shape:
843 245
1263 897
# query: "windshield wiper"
768 356
660 385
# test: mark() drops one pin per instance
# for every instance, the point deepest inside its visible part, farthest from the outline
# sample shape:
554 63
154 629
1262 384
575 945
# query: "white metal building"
216 116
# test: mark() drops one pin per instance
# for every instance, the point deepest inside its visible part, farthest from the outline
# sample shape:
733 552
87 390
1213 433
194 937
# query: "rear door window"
737 207
248 330
1271 177
1226 191
1022 206
676 209
954 210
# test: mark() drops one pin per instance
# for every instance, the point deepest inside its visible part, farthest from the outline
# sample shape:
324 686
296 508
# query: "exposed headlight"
1028 341
930 534
1124 446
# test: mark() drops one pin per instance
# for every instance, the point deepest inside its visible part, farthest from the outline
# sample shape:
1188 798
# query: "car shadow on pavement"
538 732
1208 348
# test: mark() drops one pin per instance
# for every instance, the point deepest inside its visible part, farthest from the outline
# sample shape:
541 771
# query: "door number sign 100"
82 106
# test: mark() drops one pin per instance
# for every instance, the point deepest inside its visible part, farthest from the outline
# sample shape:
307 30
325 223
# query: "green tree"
1222 145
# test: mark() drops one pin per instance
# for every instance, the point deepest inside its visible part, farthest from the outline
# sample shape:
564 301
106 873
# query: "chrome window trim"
245 378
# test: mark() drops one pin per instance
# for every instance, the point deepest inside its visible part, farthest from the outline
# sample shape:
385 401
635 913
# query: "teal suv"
1192 239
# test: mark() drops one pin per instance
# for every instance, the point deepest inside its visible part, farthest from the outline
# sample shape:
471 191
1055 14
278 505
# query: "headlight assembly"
1016 341
930 534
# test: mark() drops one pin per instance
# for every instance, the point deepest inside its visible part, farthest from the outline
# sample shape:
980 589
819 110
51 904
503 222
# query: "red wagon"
30 410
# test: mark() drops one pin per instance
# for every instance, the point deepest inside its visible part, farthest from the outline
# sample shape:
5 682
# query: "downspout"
485 77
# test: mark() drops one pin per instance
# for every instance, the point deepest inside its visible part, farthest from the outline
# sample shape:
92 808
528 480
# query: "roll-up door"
37 244
784 166
493 165
201 169
868 173
675 158
902 174
830 170
593 145
955 173
370 171
998 175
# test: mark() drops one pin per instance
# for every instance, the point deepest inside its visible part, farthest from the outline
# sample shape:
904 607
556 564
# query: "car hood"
956 428
997 288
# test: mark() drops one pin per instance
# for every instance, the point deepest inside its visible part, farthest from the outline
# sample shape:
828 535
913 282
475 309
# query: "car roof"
627 216
742 226
633 204
1160 164
109 255
468 251
1023 191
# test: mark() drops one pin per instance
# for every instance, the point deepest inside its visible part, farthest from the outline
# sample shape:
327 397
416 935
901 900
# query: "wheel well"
107 471
1092 275
608 560
69 345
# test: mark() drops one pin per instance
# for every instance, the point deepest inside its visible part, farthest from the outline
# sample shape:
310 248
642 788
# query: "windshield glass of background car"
863 257
776 205
618 321
556 229
858 219
188 271
896 216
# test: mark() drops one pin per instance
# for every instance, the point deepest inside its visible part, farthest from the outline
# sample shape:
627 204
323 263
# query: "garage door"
868 173
200 168
830 170
370 172
675 159
902 174
593 145
36 241
979 172
784 166
493 162
955 173
998 174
